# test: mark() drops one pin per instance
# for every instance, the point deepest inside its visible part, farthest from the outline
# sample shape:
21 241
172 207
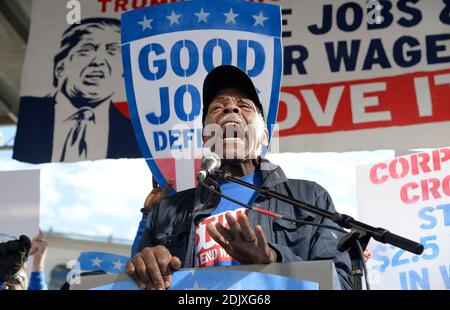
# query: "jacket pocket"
174 239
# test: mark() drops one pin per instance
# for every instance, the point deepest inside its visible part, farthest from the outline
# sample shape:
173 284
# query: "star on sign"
259 19
146 23
96 262
174 18
231 17
202 16
118 265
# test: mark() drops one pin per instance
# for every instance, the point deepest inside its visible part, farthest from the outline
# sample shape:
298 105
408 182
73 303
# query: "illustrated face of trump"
90 72
233 128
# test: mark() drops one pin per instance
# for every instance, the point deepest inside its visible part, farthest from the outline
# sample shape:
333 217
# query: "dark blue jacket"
172 223
34 136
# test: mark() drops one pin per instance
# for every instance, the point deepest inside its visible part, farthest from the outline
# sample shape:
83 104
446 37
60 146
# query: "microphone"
210 164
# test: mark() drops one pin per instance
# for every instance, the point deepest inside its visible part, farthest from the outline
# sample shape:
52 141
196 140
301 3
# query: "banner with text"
359 78
409 196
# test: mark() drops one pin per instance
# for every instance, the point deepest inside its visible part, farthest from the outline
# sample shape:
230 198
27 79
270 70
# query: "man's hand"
156 195
152 268
241 242
39 248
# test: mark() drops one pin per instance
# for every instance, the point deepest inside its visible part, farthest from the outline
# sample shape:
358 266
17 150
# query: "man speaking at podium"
195 228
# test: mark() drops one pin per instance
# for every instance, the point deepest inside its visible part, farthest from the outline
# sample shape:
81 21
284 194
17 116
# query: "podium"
311 275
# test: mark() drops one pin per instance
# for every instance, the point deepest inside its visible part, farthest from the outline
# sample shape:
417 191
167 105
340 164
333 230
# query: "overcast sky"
104 197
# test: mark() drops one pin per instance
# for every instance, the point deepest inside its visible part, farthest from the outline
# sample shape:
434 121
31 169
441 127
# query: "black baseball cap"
228 76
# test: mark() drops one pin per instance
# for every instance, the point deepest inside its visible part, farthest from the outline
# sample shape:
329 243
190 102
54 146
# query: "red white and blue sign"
168 51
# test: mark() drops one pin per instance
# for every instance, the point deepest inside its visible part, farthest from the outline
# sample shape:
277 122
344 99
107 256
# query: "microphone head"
210 163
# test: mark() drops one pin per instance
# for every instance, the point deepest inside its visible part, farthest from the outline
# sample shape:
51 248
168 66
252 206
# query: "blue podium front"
204 279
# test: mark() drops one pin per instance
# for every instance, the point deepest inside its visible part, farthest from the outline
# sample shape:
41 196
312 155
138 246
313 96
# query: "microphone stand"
360 233
255 207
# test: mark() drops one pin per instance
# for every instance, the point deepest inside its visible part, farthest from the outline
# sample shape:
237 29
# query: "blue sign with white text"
167 52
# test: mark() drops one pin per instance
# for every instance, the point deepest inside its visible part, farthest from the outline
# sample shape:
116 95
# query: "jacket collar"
271 174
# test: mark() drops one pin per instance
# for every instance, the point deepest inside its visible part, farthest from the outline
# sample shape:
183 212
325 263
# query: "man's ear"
265 137
59 69
203 135
205 131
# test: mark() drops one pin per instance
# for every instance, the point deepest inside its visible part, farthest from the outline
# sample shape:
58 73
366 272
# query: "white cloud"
112 188
334 171
111 191
77 213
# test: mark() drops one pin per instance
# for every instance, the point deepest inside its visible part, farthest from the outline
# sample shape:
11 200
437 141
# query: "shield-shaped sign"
167 52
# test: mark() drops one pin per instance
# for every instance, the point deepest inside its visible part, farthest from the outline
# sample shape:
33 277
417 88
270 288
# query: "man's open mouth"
232 130
94 77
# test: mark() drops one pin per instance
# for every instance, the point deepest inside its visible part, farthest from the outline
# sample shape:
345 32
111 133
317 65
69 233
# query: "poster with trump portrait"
72 104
